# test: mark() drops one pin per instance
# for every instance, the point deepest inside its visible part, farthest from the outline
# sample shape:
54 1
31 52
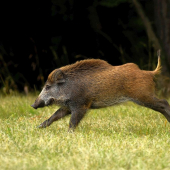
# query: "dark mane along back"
88 65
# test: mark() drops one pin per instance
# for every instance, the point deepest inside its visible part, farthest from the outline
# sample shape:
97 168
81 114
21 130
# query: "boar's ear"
59 76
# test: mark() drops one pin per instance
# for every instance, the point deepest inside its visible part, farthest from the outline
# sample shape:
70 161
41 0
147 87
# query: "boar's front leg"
77 113
75 119
57 115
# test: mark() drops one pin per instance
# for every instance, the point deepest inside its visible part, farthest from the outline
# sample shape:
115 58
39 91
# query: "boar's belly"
108 102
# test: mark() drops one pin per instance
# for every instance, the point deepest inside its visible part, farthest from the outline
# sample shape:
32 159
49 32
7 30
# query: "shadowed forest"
39 36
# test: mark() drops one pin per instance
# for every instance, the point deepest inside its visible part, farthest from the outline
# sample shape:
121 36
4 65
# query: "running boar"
94 83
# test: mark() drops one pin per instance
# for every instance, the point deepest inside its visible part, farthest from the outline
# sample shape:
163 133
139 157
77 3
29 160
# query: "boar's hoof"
40 126
43 125
70 130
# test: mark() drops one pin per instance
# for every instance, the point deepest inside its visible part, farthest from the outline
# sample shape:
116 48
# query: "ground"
121 137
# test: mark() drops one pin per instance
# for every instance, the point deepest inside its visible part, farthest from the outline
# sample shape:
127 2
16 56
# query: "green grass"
115 138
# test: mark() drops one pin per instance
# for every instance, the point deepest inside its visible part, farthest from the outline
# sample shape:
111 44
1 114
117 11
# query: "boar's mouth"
50 101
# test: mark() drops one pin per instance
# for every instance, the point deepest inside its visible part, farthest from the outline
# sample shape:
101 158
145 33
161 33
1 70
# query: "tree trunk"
151 35
162 22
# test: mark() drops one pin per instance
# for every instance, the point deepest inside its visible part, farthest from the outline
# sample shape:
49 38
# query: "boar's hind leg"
57 115
159 105
162 106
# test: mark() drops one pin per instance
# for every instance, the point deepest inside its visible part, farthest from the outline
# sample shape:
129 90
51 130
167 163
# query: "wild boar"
94 83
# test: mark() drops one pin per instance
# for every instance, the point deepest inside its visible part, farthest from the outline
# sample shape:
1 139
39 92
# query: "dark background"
39 36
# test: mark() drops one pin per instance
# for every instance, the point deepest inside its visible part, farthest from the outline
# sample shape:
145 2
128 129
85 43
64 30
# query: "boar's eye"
47 87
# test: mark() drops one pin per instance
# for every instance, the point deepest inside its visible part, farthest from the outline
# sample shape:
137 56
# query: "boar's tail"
158 68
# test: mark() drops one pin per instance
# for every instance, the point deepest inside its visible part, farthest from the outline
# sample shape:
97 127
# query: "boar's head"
52 91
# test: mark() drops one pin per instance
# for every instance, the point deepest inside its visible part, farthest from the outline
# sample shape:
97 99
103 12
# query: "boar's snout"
38 103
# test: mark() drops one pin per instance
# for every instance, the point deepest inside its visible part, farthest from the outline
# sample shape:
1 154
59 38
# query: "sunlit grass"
120 137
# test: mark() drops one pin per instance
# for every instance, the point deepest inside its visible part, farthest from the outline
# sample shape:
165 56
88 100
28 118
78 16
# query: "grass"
116 138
